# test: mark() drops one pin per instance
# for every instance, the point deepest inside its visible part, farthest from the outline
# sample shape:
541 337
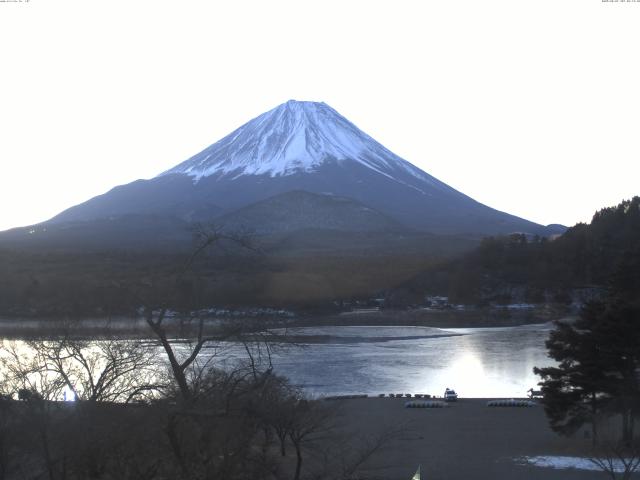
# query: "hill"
588 257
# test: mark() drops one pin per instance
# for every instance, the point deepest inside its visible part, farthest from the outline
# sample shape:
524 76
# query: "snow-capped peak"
294 137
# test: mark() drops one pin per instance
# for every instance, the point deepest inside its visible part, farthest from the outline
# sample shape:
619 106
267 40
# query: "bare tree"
186 370
40 372
355 452
310 423
157 308
107 370
24 375
333 452
617 460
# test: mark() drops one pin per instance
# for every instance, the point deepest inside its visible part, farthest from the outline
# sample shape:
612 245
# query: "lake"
476 362
342 360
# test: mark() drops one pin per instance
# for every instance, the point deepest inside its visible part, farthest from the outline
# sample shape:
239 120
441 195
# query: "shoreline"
17 327
433 398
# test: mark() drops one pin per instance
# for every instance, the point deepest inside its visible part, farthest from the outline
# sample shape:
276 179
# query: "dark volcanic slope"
300 210
137 232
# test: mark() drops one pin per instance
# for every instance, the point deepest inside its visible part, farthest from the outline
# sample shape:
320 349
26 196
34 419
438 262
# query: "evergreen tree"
598 368
573 392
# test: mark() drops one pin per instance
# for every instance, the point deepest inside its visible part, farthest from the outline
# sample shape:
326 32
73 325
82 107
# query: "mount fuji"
296 137
308 147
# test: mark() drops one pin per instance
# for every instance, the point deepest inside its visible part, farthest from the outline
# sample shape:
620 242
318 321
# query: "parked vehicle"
450 395
534 393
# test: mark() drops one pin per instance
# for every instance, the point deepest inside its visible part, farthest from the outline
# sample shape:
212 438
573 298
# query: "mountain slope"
301 146
300 210
132 231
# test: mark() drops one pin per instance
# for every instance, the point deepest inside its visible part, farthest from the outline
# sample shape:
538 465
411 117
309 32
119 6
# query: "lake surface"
476 362
342 360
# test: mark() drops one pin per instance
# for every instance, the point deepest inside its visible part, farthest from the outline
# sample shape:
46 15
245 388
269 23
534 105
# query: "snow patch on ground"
562 463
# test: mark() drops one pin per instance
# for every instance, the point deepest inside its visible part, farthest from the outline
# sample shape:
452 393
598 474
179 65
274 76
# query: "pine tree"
598 368
573 391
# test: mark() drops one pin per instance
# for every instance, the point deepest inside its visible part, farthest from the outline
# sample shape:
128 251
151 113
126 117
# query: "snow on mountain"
308 147
292 138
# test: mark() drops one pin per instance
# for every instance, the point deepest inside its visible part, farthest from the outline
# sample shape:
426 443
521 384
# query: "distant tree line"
540 269
83 284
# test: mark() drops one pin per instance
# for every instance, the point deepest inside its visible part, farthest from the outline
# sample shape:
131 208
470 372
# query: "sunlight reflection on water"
481 362
484 362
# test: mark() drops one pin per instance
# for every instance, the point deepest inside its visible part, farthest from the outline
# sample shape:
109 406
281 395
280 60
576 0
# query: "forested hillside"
508 269
534 269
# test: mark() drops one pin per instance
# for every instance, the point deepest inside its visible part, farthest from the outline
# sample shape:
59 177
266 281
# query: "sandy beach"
465 440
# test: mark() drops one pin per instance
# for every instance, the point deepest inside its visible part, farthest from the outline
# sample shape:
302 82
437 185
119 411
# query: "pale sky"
531 107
